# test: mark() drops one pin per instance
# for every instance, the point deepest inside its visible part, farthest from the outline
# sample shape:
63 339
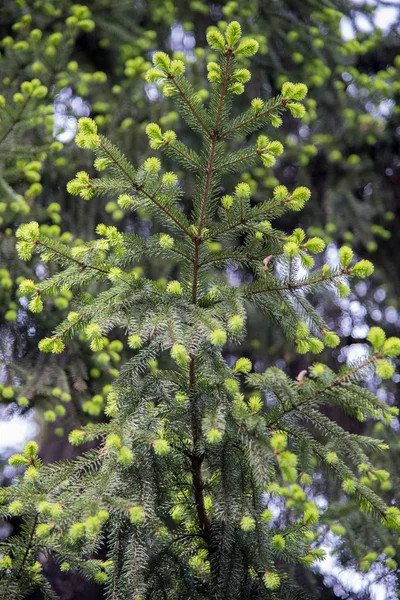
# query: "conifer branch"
190 105
141 189
295 286
175 148
215 136
241 159
16 120
256 117
81 264
333 384
254 214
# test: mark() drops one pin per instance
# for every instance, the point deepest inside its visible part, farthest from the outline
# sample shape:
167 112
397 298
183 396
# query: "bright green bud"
100 577
363 268
15 508
166 241
169 179
291 249
297 110
113 441
31 449
35 35
247 47
28 232
153 130
343 289
247 523
174 287
214 436
311 514
294 91
331 339
392 518
235 323
267 515
315 245
7 392
76 437
137 515
349 486
87 126
27 286
161 61
77 531
161 447
49 416
218 337
331 458
275 148
17 460
87 141
233 33
316 346
391 347
154 75
93 331
5 562
177 67
125 456
180 355
271 581
384 369
305 479
100 164
299 197
232 385
338 529
278 542
241 75
169 136
242 190
135 342
43 530
36 304
152 165
236 88
53 345
40 92
346 256
243 365
281 192
227 202
215 40
18 98
257 104
268 160
278 442
214 73
376 336
389 551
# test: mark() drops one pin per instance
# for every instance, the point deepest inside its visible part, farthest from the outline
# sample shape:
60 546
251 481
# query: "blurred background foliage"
60 61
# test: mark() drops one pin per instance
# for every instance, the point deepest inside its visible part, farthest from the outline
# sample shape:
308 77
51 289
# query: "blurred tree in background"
60 61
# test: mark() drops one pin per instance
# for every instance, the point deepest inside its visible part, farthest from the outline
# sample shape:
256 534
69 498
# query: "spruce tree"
182 490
